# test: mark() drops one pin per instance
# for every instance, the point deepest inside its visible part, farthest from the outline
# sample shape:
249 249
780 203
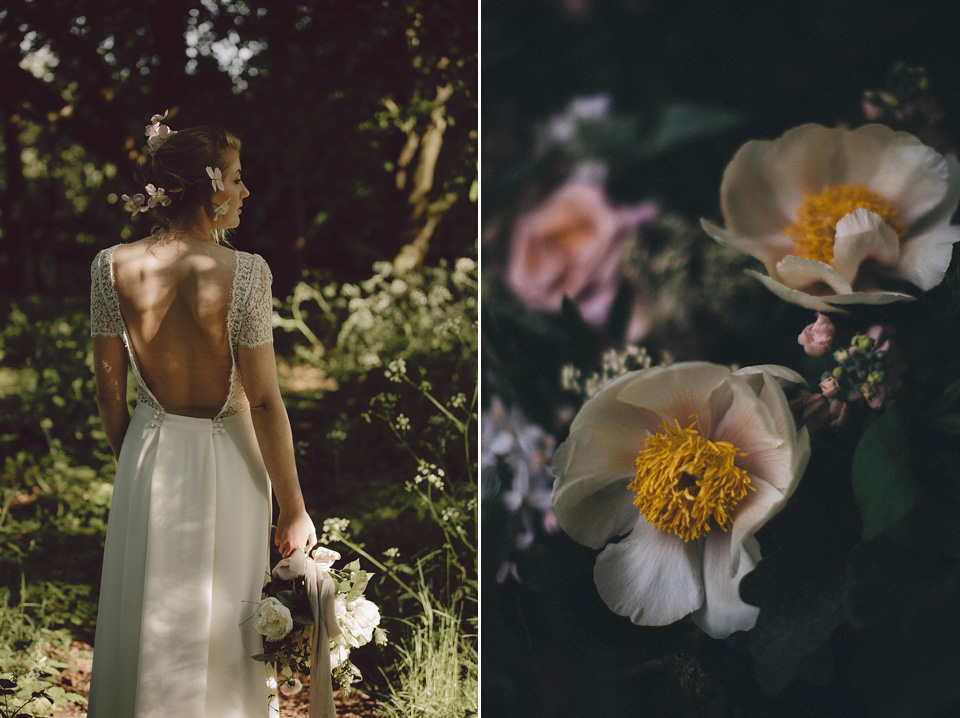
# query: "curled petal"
651 576
860 236
723 611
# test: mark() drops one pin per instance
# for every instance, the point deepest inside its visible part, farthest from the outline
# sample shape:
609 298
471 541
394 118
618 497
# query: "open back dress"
187 543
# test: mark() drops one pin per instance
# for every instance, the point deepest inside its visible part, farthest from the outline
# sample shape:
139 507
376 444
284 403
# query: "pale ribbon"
322 592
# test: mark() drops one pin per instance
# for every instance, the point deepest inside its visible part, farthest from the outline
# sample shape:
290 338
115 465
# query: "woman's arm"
110 370
258 374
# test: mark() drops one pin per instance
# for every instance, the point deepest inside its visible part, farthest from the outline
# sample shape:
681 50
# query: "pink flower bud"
838 412
817 338
830 387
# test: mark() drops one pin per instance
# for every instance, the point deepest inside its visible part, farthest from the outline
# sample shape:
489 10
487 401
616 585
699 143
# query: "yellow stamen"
685 481
817 218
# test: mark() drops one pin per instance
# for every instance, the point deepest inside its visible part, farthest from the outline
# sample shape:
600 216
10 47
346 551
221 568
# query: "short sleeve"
102 321
256 318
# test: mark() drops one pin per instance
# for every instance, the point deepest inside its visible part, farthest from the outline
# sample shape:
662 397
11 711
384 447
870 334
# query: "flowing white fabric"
184 563
322 592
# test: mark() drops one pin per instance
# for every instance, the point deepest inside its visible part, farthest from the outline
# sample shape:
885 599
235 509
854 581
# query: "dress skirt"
185 559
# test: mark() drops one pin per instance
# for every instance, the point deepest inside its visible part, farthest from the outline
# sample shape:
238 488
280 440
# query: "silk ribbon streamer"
322 592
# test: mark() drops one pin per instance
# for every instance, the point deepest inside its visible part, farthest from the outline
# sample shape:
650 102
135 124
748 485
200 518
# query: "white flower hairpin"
221 210
216 178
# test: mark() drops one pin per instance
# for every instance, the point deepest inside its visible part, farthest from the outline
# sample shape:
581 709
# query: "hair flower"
156 132
135 204
221 210
157 196
834 213
216 178
688 461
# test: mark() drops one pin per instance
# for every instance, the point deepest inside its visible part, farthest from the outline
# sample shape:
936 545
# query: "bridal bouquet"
289 618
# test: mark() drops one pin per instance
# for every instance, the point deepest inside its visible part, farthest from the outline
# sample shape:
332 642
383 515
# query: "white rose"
294 566
273 619
367 616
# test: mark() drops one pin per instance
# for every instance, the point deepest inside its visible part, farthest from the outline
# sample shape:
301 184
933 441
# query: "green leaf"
262 657
682 123
950 396
287 597
948 424
883 482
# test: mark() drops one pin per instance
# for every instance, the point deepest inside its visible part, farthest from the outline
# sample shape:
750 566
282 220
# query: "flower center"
684 481
817 218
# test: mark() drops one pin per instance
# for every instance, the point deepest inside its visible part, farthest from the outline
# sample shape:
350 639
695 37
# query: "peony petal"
676 392
766 181
869 298
750 427
863 235
794 296
898 167
748 200
760 505
593 467
925 258
723 611
781 373
653 577
803 274
944 211
769 250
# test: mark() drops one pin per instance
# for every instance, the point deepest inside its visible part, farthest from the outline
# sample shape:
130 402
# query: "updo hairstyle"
181 162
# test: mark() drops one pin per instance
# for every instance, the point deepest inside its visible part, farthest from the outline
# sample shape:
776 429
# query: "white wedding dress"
188 538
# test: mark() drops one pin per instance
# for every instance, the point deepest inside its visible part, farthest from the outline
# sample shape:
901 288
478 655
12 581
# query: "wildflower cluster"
613 363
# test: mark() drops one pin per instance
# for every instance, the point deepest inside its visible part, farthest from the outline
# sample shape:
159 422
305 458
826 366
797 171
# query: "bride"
187 544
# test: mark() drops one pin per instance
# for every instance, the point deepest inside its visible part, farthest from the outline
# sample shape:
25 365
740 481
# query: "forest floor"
77 680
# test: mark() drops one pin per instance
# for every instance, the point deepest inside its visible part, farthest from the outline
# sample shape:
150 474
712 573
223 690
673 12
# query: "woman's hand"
294 531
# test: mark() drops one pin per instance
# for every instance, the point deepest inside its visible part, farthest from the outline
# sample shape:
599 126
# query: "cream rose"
273 620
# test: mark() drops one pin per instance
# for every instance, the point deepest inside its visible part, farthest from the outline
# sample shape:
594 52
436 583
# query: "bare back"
174 299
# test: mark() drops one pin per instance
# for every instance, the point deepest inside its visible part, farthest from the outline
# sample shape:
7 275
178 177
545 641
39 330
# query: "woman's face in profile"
234 192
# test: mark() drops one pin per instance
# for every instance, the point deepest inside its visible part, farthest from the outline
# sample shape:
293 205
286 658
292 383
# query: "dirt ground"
77 680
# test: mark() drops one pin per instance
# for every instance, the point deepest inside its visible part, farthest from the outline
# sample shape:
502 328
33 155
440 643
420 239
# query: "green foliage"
28 672
883 479
438 670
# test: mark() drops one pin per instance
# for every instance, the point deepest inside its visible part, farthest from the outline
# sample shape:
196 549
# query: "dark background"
847 627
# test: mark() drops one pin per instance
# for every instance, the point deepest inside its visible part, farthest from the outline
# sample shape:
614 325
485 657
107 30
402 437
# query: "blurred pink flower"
817 338
571 245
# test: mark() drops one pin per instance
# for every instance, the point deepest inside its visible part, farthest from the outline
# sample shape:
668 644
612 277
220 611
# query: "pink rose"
817 338
571 245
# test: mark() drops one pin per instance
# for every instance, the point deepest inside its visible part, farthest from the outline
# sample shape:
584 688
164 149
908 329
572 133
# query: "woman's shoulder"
253 263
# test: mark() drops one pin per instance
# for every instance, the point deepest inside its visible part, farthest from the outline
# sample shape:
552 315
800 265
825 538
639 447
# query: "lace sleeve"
102 322
256 320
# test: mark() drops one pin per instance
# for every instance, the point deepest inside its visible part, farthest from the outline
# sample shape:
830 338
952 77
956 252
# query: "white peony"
273 620
688 462
291 567
833 213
